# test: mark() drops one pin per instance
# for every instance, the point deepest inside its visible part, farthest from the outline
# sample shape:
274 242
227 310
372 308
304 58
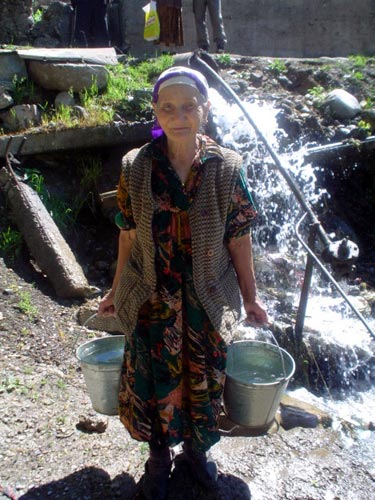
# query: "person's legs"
123 23
81 25
201 465
214 9
157 471
98 25
199 9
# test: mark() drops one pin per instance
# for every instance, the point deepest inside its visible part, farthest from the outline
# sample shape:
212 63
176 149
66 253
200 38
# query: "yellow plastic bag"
152 25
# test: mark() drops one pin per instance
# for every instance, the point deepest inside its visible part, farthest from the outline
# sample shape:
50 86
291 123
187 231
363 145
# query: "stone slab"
76 138
103 56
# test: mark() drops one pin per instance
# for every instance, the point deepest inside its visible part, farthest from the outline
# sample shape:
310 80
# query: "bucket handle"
245 322
79 332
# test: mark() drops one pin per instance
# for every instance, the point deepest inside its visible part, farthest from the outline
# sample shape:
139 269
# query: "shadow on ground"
92 483
89 483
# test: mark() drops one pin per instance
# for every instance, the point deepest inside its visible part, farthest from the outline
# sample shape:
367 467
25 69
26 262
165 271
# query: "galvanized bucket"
257 375
101 361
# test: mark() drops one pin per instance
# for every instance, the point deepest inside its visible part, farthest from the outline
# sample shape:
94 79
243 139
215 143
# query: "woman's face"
180 112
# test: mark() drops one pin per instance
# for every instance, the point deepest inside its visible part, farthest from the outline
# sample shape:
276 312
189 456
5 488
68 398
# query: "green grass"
25 304
118 97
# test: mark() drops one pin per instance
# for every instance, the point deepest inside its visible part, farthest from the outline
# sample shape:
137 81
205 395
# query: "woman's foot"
154 483
202 467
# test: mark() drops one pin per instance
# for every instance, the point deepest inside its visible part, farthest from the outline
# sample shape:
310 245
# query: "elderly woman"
185 256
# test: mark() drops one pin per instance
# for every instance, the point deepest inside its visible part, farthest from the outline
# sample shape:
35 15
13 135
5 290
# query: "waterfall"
328 318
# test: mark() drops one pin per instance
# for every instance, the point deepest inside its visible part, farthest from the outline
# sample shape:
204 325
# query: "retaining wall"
280 28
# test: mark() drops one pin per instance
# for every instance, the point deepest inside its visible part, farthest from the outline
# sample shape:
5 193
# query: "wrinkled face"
181 112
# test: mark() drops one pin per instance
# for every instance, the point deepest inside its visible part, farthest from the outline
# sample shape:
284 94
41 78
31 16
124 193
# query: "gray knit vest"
214 277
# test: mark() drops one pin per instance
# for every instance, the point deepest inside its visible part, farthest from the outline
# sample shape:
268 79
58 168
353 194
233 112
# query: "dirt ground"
48 449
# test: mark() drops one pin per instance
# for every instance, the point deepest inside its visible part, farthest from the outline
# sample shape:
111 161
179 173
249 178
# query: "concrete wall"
279 28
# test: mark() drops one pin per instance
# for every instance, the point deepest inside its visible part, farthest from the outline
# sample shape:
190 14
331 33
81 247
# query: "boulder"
68 76
342 105
21 117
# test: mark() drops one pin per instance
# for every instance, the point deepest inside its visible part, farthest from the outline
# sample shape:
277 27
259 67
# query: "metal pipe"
301 313
332 279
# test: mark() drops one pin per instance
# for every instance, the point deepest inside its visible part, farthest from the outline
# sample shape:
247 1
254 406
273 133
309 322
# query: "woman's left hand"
256 313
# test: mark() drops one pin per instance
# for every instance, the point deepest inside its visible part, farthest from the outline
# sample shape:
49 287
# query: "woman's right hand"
106 305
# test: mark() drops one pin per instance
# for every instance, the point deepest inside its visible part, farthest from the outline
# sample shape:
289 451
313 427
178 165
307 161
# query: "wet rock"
342 104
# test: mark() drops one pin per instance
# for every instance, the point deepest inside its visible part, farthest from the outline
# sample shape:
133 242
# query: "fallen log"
43 238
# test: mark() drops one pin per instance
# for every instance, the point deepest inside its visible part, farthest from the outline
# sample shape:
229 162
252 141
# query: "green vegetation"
318 95
124 83
22 89
358 61
278 67
224 59
10 243
59 210
25 305
37 15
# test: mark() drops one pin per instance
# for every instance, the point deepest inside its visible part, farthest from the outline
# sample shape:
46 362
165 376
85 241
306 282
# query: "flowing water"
275 234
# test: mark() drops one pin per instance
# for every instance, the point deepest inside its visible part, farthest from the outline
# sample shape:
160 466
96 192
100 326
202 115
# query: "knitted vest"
214 277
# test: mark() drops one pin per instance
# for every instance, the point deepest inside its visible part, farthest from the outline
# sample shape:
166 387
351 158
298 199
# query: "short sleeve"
241 211
124 219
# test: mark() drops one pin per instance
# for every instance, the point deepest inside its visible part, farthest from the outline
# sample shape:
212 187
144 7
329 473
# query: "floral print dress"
174 363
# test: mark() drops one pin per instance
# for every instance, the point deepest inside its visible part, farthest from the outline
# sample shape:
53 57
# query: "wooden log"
43 238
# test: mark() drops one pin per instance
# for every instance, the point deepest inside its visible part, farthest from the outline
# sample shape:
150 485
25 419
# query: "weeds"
58 209
37 15
278 67
10 243
22 89
25 305
224 59
358 61
318 94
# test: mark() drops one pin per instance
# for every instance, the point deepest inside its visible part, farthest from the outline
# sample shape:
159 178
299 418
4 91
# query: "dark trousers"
90 28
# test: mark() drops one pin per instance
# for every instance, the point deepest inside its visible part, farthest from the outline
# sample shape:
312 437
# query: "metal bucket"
101 361
257 375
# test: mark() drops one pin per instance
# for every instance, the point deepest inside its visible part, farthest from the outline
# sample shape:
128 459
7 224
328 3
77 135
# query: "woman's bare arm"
242 257
125 243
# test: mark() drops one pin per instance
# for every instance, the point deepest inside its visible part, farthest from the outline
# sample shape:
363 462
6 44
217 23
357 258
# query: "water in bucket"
257 376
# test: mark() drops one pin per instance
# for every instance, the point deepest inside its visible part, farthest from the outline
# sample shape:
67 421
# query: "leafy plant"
318 94
358 75
359 61
224 59
278 67
10 242
37 15
364 125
